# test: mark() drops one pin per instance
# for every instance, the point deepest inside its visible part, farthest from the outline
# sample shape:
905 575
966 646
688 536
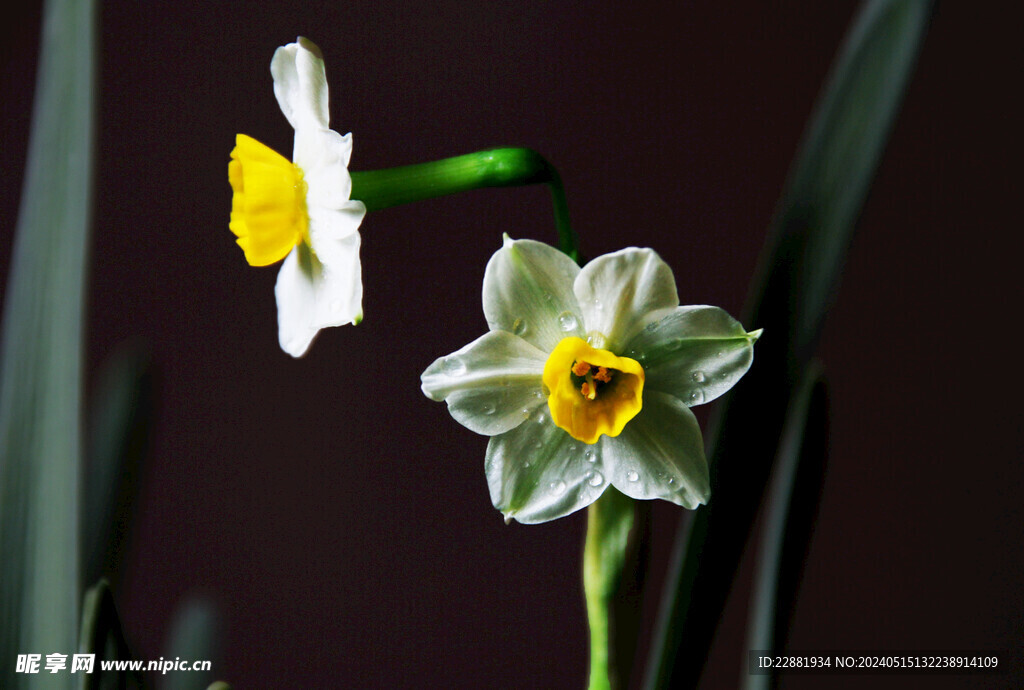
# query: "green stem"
504 167
609 523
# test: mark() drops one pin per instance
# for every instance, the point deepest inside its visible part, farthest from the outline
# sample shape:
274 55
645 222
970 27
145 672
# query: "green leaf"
101 634
793 498
195 635
40 365
799 273
120 412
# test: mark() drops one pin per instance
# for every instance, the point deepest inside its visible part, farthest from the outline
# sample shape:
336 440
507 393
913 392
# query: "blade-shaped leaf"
120 411
40 365
792 505
195 635
799 273
101 635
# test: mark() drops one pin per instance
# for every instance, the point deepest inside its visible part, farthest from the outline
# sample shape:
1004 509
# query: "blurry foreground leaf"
799 273
101 634
40 365
120 411
792 506
195 636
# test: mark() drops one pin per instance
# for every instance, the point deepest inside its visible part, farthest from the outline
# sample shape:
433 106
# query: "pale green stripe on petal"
491 385
696 354
537 472
528 292
622 292
660 454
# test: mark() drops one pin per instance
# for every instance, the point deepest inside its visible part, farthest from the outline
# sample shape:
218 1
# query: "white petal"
622 292
321 289
697 353
528 291
300 84
491 385
323 156
296 301
660 454
537 472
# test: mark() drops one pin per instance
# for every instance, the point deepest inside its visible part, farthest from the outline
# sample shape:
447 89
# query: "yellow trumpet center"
268 209
591 391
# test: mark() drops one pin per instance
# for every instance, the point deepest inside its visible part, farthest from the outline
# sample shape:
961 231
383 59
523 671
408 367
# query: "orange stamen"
602 375
580 368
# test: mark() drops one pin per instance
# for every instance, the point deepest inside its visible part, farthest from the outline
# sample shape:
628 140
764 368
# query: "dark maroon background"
341 520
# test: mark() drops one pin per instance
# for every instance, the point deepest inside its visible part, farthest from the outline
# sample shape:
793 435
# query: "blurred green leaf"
792 506
40 364
101 634
195 635
799 272
120 411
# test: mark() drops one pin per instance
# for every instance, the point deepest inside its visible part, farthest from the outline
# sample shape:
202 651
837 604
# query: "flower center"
591 391
268 209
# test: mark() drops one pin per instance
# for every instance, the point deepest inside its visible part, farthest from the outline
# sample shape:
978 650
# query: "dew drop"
557 488
454 366
526 411
590 457
538 445
696 397
671 480
633 475
720 354
673 345
572 449
519 327
567 320
488 408
595 479
597 305
698 376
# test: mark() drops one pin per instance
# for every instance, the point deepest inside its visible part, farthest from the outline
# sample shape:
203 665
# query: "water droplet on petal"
673 345
595 479
589 456
597 305
519 327
720 354
633 475
454 366
526 411
696 397
698 376
671 480
557 488
542 417
572 449
567 320
488 408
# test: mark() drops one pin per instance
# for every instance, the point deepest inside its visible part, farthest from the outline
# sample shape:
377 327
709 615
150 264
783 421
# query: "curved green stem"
503 167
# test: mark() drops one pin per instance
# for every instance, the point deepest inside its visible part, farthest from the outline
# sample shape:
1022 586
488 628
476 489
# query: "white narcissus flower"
586 378
300 210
